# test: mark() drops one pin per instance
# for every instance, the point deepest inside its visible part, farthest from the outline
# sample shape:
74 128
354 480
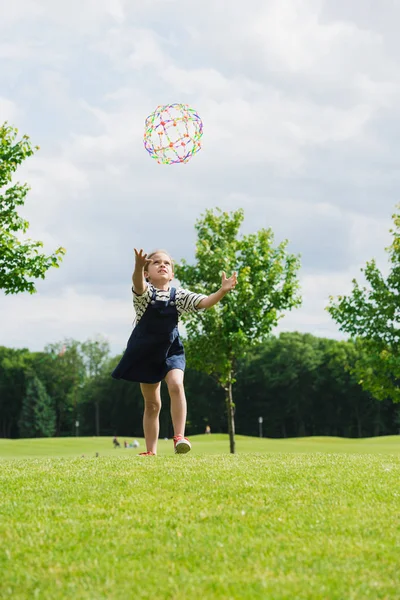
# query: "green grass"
202 444
275 523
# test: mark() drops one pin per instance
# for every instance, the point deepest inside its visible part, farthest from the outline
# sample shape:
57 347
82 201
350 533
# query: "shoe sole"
182 448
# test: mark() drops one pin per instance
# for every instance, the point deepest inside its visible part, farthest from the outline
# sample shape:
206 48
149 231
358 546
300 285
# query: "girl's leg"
152 407
174 380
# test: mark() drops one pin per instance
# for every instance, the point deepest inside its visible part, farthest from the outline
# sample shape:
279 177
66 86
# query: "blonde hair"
159 251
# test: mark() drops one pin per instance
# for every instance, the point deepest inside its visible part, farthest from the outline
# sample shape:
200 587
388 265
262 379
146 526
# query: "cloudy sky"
300 103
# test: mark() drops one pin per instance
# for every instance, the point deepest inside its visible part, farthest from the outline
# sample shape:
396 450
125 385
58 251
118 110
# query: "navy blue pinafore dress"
154 347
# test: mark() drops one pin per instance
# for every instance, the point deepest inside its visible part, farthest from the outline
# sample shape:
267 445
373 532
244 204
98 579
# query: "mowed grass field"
202 444
317 518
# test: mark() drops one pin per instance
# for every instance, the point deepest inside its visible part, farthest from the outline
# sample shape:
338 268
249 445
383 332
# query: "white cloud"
82 15
313 317
116 9
14 50
8 110
294 37
12 12
66 314
57 189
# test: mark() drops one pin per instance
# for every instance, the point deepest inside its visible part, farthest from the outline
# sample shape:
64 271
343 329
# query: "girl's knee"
174 381
175 387
152 406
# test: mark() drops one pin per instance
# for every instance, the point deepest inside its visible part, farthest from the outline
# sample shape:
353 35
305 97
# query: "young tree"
267 285
63 372
37 417
371 314
21 261
95 354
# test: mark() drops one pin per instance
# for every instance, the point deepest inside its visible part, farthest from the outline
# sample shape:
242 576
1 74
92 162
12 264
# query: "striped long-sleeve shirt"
185 301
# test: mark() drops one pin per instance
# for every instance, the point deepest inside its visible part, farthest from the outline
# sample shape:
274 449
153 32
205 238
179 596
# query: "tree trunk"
58 421
377 420
359 426
230 410
301 428
97 416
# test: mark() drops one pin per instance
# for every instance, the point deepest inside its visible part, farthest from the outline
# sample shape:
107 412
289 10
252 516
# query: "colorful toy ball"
173 133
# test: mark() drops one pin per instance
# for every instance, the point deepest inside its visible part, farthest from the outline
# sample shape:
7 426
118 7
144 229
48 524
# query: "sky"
300 105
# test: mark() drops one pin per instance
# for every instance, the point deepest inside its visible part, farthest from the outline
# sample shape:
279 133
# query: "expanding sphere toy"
172 134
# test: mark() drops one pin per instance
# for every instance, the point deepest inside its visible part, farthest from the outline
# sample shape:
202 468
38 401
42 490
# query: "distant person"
116 442
125 444
154 350
208 429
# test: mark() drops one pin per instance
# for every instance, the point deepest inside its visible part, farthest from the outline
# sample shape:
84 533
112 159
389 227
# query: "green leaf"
21 263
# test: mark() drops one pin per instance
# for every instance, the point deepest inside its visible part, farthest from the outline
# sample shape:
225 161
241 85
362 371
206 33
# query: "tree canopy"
21 259
371 314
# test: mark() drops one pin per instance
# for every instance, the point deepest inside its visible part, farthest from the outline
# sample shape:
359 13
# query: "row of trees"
300 384
40 391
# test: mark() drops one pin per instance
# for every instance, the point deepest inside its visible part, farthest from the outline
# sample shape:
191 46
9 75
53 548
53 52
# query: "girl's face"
160 270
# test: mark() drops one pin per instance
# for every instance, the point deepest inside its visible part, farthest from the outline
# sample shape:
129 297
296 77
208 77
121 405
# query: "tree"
267 286
122 404
20 260
345 408
303 385
63 372
296 358
371 313
278 381
37 417
95 354
14 365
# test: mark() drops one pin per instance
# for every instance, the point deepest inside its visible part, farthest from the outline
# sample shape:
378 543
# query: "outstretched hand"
141 258
228 284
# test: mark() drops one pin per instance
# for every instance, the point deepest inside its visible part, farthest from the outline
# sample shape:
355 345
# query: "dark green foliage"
14 367
299 384
38 417
121 404
303 385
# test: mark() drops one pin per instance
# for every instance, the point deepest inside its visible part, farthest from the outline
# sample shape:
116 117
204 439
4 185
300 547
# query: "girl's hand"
228 284
141 258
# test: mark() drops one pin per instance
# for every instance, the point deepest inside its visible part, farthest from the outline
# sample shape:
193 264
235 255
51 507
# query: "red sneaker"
149 453
181 444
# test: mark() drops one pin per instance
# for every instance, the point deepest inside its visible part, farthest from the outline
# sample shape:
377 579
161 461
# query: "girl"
154 351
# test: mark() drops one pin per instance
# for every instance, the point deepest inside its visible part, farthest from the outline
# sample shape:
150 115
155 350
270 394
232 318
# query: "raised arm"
138 280
226 286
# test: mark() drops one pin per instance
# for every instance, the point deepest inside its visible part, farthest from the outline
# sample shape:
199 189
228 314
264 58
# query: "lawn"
202 444
315 519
